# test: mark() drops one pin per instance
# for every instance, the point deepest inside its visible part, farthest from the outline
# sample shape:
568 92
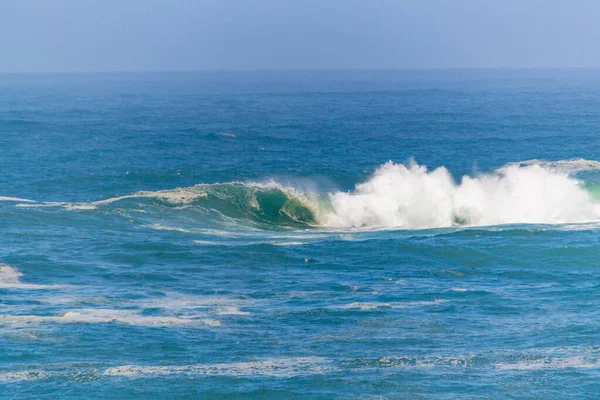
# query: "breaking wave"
399 196
411 196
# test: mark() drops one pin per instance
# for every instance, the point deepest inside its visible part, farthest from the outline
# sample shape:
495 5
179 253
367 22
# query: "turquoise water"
352 235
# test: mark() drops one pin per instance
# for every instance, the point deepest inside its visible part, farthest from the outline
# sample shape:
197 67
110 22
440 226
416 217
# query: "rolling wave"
262 204
396 196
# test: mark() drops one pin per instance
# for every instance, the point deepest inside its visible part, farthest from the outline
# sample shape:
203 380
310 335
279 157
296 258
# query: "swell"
396 196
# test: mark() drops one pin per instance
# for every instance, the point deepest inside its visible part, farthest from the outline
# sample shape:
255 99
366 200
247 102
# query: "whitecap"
10 278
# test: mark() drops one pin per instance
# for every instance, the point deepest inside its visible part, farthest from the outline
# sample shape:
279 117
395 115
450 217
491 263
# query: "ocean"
418 234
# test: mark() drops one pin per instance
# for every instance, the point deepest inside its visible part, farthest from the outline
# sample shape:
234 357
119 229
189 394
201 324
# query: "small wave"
368 306
231 310
10 278
226 134
571 166
16 199
291 243
210 243
69 206
161 227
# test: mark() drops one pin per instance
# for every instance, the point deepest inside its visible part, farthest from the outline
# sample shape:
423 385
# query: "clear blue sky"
159 35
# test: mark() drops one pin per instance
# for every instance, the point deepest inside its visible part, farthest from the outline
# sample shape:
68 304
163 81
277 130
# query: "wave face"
411 196
264 205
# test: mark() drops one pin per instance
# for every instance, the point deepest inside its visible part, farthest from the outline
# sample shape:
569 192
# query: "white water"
10 278
411 196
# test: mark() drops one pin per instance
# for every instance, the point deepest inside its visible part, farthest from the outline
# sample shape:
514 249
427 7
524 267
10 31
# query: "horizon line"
341 69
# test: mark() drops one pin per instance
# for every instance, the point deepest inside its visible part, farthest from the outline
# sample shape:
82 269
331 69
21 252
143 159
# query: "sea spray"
411 196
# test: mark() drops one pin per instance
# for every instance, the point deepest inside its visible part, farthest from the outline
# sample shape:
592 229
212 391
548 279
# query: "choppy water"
414 234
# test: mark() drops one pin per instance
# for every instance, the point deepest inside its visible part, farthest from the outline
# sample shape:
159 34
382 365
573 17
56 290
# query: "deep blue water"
201 235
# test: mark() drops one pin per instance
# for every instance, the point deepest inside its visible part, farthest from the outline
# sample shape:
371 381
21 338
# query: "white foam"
16 199
46 204
10 278
576 362
570 166
280 368
226 134
410 196
367 305
80 206
161 227
176 301
375 305
210 243
176 196
231 310
194 308
22 376
101 316
425 362
211 322
180 309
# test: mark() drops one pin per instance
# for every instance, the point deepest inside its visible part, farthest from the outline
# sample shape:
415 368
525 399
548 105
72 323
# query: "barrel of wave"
264 204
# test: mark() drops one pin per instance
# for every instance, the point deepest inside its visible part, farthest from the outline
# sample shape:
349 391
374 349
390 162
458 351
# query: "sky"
188 35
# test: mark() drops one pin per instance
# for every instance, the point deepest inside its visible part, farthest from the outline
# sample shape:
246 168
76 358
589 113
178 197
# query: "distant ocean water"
300 235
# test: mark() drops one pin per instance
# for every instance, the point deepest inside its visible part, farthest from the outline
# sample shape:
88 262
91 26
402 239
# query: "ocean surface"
300 235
